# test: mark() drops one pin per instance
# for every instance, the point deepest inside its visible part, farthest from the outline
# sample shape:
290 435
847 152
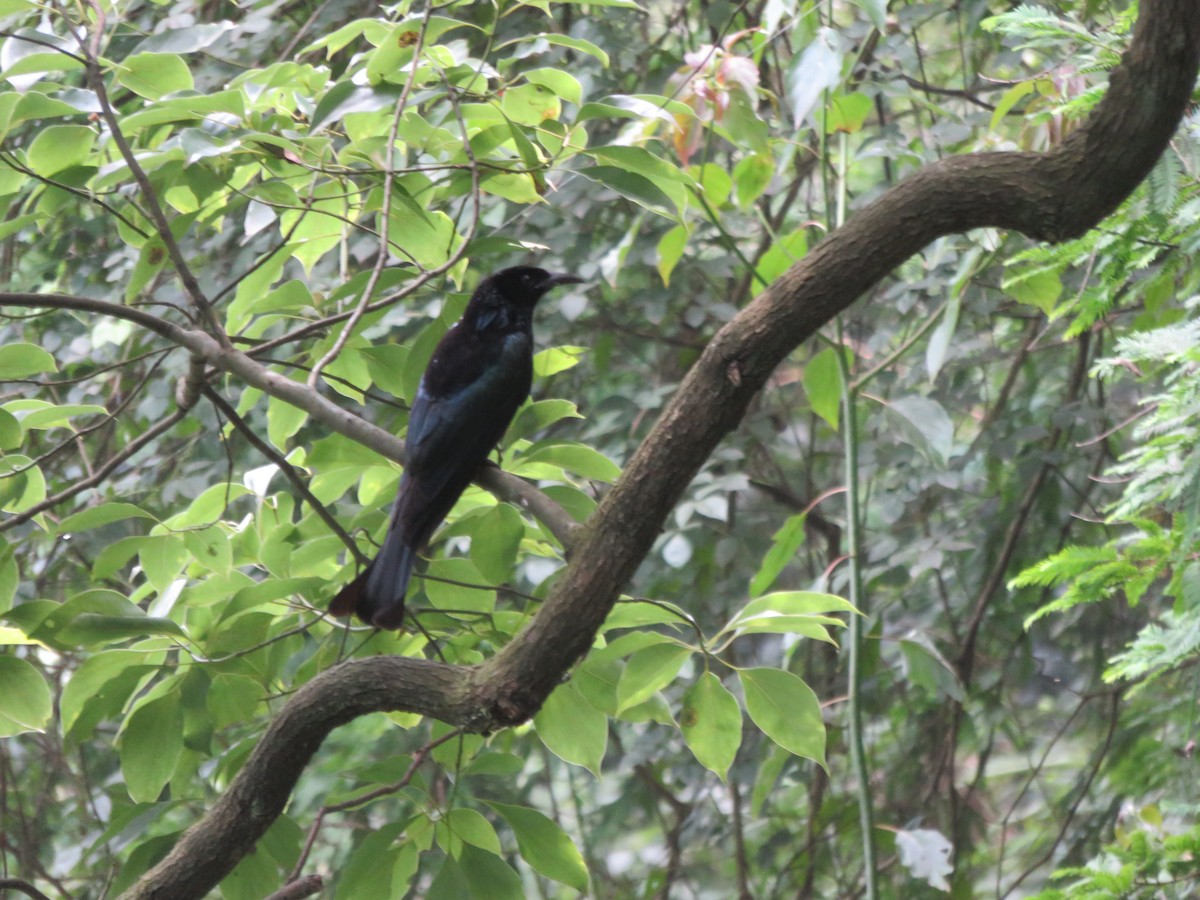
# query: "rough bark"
1050 196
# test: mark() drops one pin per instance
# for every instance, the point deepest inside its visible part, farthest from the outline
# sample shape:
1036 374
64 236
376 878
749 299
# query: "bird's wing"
450 436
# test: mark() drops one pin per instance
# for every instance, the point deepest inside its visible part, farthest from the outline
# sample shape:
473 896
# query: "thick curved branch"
203 346
1048 196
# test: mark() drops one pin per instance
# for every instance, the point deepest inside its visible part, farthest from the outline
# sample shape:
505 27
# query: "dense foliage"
325 182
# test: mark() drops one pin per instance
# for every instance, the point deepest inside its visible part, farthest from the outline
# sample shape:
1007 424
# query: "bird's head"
505 300
526 284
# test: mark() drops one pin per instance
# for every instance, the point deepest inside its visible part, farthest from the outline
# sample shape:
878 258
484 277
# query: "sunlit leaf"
711 720
154 74
19 360
648 671
25 703
544 845
572 728
786 709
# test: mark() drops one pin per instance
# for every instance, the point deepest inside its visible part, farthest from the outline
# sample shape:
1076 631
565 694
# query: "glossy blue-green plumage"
477 378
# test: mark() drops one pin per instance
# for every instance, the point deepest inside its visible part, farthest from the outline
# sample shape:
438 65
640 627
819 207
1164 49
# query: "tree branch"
1049 196
203 346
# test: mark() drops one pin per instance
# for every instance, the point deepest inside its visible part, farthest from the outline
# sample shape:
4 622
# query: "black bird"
480 373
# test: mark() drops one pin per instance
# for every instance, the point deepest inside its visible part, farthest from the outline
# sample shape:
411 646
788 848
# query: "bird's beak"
554 279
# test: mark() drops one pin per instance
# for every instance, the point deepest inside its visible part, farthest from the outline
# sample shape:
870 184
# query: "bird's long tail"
377 595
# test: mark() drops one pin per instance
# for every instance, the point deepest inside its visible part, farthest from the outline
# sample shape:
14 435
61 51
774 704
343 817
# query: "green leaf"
233 699
782 255
187 39
787 711
100 686
577 458
96 629
572 729
425 237
291 295
648 671
495 538
150 743
620 4
791 603
530 104
56 148
923 423
632 186
711 721
463 590
99 616
517 187
51 416
472 828
22 484
162 558
189 108
152 75
670 249
597 680
210 548
636 106
715 183
942 335
38 61
784 545
639 613
87 681
25 702
490 876
368 873
375 31
151 259
545 846
669 178
564 84
1009 99
24 360
10 575
823 385
553 360
796 612
751 176
283 421
926 667
847 112
207 508
11 434
255 875
115 556
533 417
572 43
1039 288
317 227
385 364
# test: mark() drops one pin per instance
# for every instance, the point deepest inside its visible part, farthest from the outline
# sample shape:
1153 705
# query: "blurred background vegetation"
1025 426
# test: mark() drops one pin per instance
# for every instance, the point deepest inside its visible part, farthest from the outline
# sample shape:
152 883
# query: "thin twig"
288 470
161 225
131 449
300 888
16 884
418 757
